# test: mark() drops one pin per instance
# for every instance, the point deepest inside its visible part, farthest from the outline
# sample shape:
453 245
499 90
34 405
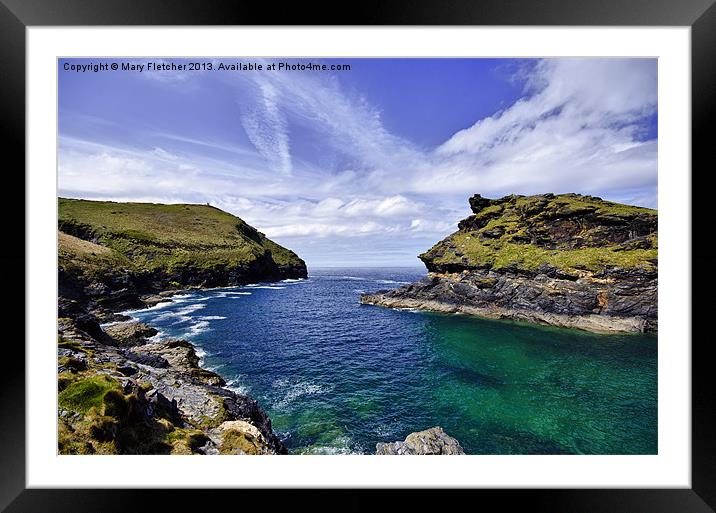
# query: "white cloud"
577 131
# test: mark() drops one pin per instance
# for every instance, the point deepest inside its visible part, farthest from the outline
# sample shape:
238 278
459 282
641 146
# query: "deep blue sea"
337 377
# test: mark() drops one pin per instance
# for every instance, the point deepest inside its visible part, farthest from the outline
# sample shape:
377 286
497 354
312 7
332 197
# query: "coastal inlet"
338 377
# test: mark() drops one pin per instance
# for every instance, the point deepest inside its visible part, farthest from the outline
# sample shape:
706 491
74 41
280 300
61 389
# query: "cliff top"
570 232
150 236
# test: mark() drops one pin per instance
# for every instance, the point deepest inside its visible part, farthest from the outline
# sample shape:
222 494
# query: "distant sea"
336 377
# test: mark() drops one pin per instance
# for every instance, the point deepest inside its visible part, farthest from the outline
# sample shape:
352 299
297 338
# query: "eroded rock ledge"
602 304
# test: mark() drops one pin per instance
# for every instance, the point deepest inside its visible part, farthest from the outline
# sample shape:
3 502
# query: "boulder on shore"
130 333
430 441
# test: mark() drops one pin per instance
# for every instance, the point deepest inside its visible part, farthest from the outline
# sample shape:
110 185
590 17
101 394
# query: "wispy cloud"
267 128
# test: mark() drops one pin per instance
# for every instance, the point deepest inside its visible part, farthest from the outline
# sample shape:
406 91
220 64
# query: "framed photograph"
269 250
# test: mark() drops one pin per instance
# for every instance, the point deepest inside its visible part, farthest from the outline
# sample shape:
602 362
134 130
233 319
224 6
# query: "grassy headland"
570 232
178 244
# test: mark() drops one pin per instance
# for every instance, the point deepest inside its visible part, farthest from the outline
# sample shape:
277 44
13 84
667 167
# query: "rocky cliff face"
566 260
121 391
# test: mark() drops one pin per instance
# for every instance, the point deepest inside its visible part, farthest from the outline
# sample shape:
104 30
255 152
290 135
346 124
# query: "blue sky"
365 167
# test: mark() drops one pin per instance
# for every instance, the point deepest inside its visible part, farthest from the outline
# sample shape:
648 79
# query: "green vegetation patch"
186 441
135 235
567 231
180 224
222 414
475 253
73 345
238 442
82 395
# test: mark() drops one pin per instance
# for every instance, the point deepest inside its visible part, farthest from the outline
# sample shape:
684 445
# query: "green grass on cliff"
526 256
84 394
498 235
147 236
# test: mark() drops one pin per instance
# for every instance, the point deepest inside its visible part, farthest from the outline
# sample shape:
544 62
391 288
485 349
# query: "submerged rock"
430 441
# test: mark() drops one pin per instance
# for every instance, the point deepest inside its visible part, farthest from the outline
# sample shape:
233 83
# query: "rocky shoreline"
122 390
565 260
600 304
150 395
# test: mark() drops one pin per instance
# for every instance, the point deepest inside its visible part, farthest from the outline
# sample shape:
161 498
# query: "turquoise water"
338 377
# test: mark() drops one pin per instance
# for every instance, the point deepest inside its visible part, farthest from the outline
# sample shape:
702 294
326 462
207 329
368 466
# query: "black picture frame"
17 15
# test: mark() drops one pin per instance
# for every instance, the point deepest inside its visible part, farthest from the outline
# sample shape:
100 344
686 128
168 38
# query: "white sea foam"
235 386
291 280
181 314
156 338
340 445
385 430
158 306
197 328
190 309
201 353
108 324
181 296
393 282
268 287
296 390
181 320
211 318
